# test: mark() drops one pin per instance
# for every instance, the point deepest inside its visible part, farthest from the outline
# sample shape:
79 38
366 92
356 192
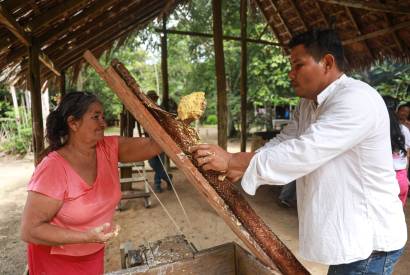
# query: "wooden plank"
149 123
222 106
243 74
247 264
35 91
371 5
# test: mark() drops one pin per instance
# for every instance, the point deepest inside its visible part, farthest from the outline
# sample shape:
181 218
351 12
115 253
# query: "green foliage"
14 139
389 78
211 120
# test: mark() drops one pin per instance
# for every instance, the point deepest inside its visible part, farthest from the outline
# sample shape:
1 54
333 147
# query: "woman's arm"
36 227
137 149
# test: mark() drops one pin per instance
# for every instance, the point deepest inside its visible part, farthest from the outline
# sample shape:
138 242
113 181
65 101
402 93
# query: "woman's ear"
72 123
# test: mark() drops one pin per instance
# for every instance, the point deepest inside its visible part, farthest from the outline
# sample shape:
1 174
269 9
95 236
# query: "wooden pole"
164 64
35 90
244 74
222 108
164 69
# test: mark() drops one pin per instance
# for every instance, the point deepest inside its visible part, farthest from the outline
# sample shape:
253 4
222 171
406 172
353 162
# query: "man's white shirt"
339 151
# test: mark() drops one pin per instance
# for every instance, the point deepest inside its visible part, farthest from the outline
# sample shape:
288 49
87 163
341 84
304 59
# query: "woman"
75 188
399 146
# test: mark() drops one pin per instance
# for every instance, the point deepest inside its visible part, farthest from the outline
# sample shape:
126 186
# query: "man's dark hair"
319 43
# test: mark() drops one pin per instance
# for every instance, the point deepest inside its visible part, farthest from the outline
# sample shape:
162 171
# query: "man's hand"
211 157
102 233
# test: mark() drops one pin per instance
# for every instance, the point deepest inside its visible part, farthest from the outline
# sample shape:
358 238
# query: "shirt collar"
329 89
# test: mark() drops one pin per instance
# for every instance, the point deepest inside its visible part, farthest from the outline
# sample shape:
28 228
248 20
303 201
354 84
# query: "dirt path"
142 225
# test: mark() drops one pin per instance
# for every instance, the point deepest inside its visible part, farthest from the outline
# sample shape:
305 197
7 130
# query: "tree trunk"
16 108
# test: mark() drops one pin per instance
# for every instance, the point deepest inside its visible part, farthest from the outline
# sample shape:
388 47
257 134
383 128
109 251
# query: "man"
338 149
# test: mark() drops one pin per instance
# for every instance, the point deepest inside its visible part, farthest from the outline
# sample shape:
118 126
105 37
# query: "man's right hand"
211 157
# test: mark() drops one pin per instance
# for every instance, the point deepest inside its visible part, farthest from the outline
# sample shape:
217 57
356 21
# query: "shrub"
211 120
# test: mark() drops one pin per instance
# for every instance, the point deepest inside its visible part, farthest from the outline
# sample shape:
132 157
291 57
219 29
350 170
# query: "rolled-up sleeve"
341 123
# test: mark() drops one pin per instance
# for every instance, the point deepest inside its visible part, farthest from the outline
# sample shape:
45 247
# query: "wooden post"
62 84
164 64
244 74
35 90
164 69
127 124
222 108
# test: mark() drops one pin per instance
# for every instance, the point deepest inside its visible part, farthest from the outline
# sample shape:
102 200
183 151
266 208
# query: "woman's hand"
211 157
102 233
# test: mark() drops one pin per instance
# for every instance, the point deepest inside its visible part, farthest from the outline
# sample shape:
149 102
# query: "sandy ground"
140 225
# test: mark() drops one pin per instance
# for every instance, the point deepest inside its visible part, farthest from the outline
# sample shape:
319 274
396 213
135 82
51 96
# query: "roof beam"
12 25
66 7
396 38
349 13
377 33
90 13
225 37
298 13
370 5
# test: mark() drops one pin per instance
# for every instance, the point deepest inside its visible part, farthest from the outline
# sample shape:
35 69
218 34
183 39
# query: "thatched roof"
64 29
370 30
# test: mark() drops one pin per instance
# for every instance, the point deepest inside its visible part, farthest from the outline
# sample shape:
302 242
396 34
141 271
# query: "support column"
35 91
244 73
222 108
164 64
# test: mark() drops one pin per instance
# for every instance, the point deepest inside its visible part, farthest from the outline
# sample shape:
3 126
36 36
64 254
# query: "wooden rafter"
105 23
299 15
279 14
88 14
319 8
12 25
377 33
105 36
396 38
370 5
264 6
66 7
225 37
358 31
18 53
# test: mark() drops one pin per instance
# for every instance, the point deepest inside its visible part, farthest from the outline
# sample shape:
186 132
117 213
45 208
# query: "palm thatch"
370 30
63 30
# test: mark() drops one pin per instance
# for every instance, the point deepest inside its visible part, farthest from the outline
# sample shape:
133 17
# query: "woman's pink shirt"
84 206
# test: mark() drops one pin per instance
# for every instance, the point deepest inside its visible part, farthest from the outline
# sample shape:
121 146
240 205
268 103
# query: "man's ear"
328 62
72 123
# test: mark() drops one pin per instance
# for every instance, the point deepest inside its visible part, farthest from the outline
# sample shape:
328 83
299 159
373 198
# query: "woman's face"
90 128
403 113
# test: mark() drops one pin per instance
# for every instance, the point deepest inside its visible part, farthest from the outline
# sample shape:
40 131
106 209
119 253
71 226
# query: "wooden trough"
174 255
